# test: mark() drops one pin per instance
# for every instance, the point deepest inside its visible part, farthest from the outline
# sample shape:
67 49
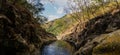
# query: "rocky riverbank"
99 37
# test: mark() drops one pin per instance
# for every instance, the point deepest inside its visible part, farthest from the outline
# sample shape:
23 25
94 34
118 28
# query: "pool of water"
57 48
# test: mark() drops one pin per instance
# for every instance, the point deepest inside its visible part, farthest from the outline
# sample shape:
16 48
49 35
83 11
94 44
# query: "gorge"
22 34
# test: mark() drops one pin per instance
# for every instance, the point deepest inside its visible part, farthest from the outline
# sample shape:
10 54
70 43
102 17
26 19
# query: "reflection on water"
57 48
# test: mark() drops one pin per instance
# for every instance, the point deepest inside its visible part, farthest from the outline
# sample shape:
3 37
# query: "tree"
36 7
84 10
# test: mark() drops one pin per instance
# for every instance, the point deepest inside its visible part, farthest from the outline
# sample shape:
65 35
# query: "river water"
58 48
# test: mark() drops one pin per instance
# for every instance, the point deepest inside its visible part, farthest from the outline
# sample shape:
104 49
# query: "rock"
109 46
96 26
88 48
20 34
94 33
105 44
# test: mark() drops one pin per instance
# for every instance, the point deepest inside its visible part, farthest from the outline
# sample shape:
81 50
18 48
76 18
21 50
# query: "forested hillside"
67 23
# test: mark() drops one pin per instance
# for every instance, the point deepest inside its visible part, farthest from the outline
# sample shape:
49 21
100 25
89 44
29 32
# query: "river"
58 48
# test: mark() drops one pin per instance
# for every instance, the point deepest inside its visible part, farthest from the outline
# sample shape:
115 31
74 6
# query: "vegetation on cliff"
94 29
20 32
68 23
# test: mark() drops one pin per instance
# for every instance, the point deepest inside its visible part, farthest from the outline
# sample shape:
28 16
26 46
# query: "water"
58 48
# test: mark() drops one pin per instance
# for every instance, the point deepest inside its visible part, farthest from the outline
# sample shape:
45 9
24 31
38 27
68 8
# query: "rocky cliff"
20 33
99 37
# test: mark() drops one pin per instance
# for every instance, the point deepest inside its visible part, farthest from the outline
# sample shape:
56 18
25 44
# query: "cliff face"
20 33
96 30
105 44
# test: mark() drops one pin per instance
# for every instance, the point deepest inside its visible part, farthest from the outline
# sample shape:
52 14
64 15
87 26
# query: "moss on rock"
110 46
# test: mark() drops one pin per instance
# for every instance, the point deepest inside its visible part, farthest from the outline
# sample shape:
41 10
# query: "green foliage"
59 25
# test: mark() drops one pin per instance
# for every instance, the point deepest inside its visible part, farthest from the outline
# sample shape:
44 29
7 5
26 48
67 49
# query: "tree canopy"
34 6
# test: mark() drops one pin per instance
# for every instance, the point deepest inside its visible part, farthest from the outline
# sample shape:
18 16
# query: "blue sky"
54 9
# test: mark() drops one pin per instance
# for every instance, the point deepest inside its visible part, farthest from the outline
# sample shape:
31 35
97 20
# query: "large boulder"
105 44
109 46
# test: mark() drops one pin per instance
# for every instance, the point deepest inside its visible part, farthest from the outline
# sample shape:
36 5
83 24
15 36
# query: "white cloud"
45 1
52 17
60 2
55 2
60 10
58 5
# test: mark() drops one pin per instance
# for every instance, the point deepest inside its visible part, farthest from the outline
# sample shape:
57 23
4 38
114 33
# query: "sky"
57 8
54 9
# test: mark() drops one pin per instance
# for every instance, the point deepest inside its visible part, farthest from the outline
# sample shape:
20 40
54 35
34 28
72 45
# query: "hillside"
60 25
100 34
67 24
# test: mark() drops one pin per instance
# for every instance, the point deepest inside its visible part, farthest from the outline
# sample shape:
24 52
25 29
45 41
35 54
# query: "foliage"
35 7
59 26
20 34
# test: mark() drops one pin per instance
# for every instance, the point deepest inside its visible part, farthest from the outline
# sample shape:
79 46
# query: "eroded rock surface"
95 31
20 33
